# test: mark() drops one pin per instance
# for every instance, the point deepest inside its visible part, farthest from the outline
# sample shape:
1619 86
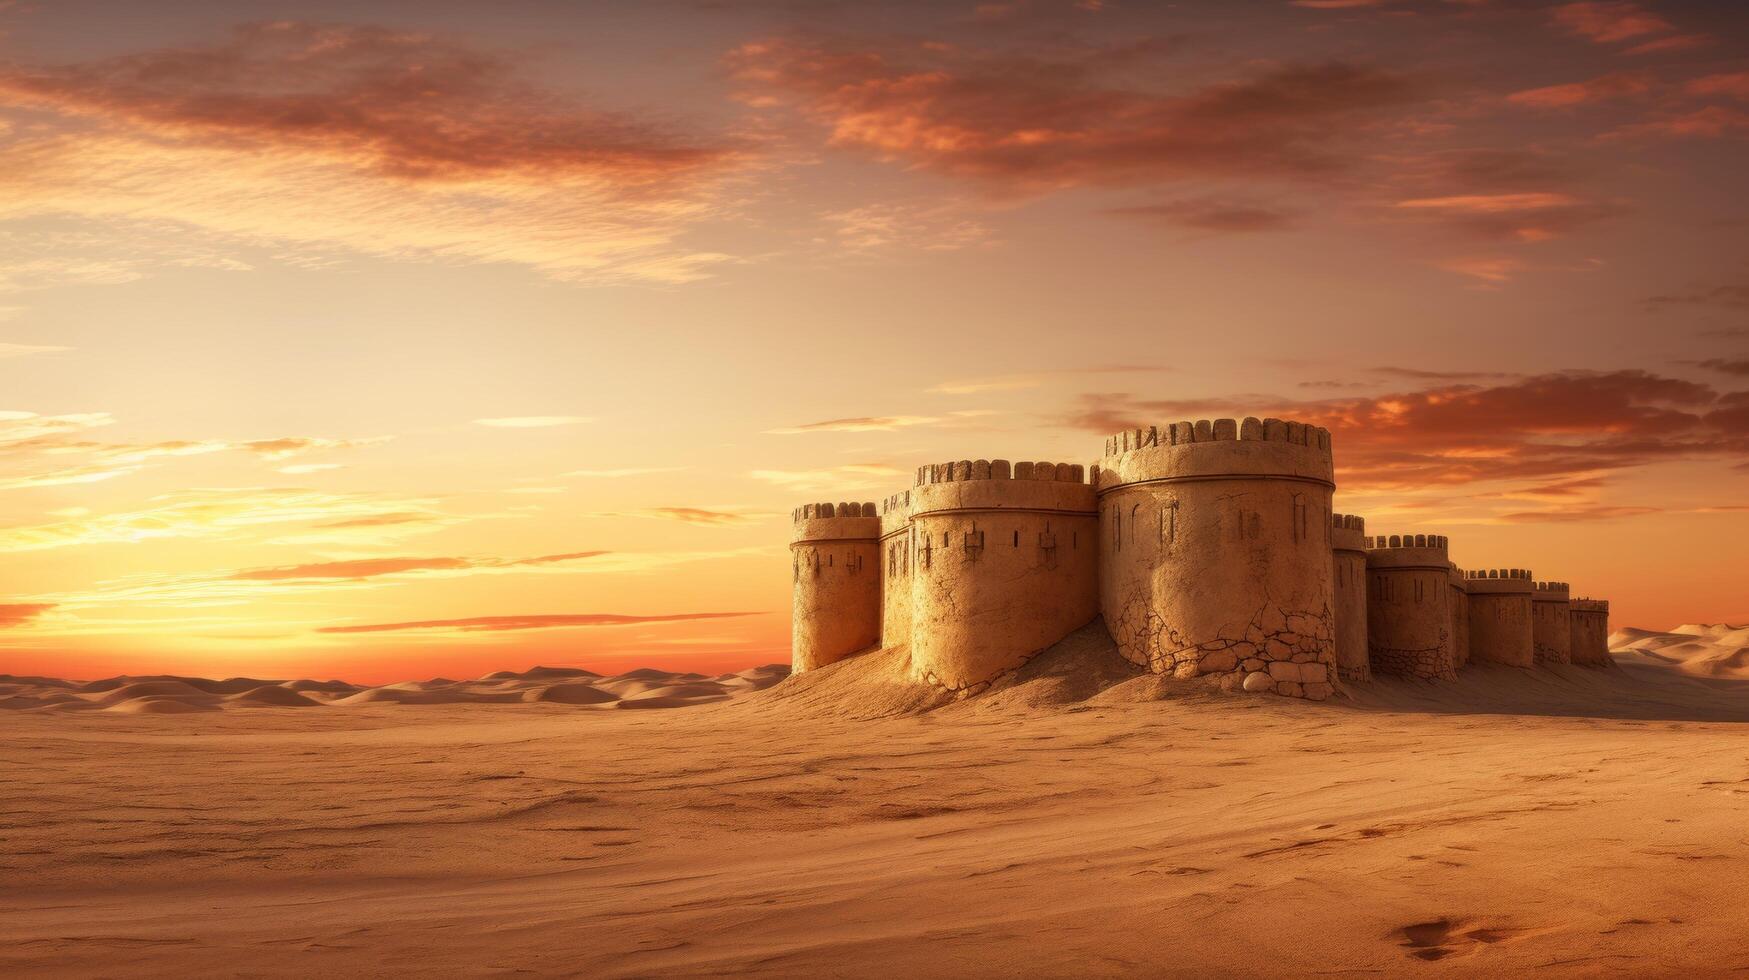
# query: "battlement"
895 513
1422 552
1437 542
834 522
1218 430
1459 579
1213 449
1591 605
1347 532
1510 581
999 469
809 512
1552 592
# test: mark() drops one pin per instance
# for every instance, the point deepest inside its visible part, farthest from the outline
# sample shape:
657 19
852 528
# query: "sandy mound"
396 694
1717 650
539 674
658 699
160 706
272 695
570 694
322 687
170 688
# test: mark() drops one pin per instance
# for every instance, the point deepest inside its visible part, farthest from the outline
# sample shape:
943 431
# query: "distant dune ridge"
881 684
645 687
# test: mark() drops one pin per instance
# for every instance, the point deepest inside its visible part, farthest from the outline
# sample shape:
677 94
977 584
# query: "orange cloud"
700 516
1207 214
354 137
495 624
1616 86
1608 21
1563 425
18 613
1028 124
403 104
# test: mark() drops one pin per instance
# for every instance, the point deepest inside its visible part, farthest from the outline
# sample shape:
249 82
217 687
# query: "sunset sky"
398 339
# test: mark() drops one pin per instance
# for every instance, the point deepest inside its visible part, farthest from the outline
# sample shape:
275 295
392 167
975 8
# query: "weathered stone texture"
1500 617
1590 633
1348 574
1551 623
1408 606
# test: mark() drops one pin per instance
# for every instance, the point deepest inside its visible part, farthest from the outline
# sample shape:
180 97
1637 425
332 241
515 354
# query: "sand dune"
570 686
1078 819
1715 650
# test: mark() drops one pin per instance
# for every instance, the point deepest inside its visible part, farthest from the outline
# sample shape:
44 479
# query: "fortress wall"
1500 616
1004 565
1551 623
898 554
1590 633
1460 618
1348 578
1215 552
836 590
1408 606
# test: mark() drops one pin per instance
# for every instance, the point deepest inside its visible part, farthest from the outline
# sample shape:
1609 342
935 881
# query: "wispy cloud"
699 516
855 476
622 473
1029 124
23 350
533 421
1608 21
362 138
495 624
14 614
862 423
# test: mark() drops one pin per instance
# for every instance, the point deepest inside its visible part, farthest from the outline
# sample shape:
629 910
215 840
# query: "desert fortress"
1210 548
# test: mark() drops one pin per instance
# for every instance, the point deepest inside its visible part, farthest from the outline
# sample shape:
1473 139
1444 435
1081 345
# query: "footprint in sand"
1441 938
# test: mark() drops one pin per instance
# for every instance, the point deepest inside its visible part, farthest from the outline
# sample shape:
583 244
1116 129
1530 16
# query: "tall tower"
1004 566
898 553
1552 623
836 591
1500 629
1590 633
1348 574
1408 606
1215 553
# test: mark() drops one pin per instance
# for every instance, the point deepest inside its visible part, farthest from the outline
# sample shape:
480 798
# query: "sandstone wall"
1460 618
898 553
1500 617
1551 623
1215 552
836 590
1005 564
1408 606
1590 633
1348 578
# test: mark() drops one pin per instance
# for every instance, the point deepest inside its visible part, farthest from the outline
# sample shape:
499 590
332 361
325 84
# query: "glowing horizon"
402 340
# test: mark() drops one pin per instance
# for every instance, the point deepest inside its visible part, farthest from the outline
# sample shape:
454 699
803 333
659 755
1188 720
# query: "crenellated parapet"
1591 606
1216 449
1348 533
1588 632
1428 551
1510 580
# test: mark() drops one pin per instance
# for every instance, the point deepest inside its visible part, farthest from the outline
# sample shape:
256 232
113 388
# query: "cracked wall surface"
992 588
1222 577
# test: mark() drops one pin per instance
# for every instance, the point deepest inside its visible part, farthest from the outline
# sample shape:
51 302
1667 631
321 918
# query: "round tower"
1004 565
897 549
1460 618
1215 552
836 595
1408 606
1500 625
1348 576
1590 633
1551 623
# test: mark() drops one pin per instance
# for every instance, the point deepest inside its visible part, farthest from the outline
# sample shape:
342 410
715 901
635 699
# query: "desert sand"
1078 818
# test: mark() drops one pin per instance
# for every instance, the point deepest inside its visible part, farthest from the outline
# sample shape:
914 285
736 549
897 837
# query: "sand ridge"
163 694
